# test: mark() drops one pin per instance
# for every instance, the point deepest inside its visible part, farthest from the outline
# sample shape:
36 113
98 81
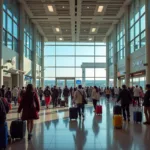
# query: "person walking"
116 91
55 95
95 96
79 95
8 95
40 93
30 108
2 90
107 92
136 92
15 92
66 95
47 94
146 105
126 99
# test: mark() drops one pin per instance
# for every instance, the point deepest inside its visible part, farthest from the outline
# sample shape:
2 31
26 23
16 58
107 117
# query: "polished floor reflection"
54 131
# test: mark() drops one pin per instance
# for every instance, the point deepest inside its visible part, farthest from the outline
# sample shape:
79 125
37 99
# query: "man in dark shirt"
146 105
126 99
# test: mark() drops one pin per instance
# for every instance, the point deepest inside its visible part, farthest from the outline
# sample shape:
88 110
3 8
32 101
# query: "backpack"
47 93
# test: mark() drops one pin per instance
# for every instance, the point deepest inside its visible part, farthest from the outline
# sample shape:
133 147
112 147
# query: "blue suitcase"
3 136
137 116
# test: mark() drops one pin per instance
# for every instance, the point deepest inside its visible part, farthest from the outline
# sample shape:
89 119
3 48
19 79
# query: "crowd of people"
29 100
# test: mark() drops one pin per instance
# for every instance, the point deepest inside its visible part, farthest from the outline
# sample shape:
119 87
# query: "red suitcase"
99 109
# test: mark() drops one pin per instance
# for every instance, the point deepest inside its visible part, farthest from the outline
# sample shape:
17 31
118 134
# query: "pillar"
83 76
147 5
21 45
34 56
42 63
1 42
107 62
115 55
127 49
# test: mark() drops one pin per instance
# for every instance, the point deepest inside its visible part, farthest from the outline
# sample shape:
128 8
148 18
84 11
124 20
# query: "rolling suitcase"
137 116
73 113
99 109
62 103
43 103
3 136
18 129
117 110
117 121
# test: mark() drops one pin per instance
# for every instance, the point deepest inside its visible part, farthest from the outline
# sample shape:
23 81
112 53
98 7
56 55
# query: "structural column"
115 55
127 49
107 62
1 42
34 56
42 64
83 76
147 4
21 46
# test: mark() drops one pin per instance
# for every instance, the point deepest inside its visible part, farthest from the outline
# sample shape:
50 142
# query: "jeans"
54 99
94 103
15 100
125 109
40 97
66 100
80 108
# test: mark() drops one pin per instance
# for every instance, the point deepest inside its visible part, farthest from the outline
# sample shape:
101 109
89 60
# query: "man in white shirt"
136 92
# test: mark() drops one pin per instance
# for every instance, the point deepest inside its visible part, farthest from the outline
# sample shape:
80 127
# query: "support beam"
107 62
42 63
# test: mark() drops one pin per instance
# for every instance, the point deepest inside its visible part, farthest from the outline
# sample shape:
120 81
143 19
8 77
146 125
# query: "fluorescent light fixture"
100 8
90 39
93 29
50 8
57 29
60 39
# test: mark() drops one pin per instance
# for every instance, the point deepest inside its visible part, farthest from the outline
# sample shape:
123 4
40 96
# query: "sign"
138 63
78 82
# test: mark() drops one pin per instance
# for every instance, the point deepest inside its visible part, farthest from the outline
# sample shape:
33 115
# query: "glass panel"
137 43
70 83
137 28
65 50
9 41
4 37
100 72
49 50
132 47
82 60
65 72
15 30
137 14
65 61
49 61
89 72
49 72
89 82
142 6
61 83
78 72
100 82
100 59
143 40
9 24
143 23
49 82
15 45
4 20
100 50
132 33
80 50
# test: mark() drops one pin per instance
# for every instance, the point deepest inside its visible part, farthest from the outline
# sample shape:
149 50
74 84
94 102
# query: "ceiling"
75 18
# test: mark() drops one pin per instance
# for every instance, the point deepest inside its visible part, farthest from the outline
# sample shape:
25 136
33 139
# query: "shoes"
29 136
146 123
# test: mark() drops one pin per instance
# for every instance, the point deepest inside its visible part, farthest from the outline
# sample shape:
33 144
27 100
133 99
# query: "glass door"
70 83
60 83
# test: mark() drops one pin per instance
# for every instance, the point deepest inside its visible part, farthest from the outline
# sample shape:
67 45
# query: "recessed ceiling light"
90 39
50 8
87 7
93 29
57 30
100 8
84 30
60 39
63 6
66 30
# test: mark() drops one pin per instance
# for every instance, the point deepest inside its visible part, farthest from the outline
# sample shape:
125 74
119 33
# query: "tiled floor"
54 131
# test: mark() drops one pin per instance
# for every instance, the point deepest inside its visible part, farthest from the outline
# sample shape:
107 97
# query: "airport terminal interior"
102 43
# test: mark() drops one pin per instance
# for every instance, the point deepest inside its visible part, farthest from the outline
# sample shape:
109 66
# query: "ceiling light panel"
100 9
93 29
57 30
50 8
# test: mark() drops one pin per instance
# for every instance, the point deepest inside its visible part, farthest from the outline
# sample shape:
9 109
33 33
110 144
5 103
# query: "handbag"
84 101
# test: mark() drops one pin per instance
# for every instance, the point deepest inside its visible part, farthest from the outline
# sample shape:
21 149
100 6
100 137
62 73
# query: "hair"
80 86
29 88
95 87
124 86
8 88
136 86
148 86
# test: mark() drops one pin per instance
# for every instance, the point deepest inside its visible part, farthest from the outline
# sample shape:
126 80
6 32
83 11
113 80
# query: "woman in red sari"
30 107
